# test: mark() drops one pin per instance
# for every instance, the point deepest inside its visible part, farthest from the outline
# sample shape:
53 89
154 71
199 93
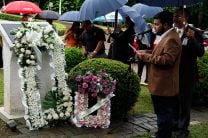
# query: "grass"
196 131
144 103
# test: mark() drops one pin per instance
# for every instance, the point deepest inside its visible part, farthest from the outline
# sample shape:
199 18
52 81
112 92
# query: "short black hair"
165 17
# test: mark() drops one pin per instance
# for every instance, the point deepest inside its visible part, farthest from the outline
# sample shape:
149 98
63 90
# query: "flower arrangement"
30 38
101 86
98 85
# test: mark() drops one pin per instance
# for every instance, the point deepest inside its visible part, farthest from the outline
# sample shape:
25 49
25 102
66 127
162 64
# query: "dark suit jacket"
163 72
121 49
188 65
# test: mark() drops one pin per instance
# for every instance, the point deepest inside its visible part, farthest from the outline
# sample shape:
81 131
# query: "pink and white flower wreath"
100 86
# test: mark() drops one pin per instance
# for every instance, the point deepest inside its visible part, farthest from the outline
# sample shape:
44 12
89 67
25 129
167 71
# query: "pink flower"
84 85
103 74
94 78
94 95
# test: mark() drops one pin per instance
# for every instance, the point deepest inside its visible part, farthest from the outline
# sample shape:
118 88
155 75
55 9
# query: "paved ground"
135 126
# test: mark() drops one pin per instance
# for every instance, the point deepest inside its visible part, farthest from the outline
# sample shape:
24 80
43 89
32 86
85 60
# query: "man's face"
178 19
158 27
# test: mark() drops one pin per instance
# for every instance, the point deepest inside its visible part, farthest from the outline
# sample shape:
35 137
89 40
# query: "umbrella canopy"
140 24
91 9
48 14
146 11
70 16
170 3
110 17
23 7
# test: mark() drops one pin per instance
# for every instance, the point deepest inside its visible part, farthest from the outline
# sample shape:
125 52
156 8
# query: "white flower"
32 56
22 50
28 52
21 55
50 116
65 104
65 98
18 34
61 114
55 116
67 114
19 60
28 61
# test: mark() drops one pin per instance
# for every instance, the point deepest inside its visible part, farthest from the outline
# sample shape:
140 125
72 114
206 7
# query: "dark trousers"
185 100
166 110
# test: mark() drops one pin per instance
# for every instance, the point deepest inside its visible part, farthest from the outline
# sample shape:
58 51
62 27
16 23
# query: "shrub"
201 90
73 56
127 86
10 17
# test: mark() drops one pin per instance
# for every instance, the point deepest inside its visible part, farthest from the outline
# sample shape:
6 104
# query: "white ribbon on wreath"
95 107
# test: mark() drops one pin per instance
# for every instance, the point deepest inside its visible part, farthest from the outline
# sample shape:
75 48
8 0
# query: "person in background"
121 49
192 47
25 18
92 40
144 41
110 40
71 35
163 72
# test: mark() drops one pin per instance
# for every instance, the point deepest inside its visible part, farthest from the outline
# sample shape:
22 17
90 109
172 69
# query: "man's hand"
190 33
93 54
140 53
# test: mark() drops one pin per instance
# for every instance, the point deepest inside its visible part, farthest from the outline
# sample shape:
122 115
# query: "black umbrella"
48 15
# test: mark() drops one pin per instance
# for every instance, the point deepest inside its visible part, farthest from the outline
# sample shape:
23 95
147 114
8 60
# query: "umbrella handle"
116 20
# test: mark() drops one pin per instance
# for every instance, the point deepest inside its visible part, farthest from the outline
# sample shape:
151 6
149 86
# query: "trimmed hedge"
201 89
73 56
127 87
10 17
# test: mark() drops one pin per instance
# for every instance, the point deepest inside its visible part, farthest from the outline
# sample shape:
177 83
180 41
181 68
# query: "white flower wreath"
29 38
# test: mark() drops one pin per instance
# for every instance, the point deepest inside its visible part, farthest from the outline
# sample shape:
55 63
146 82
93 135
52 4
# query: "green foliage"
10 17
50 100
127 86
73 56
201 90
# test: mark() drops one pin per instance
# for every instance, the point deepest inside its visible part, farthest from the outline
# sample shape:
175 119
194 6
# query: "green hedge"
127 87
73 56
10 17
201 90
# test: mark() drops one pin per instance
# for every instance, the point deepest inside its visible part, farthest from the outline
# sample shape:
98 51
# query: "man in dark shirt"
92 40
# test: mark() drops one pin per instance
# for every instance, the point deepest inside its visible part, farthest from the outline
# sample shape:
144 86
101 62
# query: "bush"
73 56
201 90
127 86
10 17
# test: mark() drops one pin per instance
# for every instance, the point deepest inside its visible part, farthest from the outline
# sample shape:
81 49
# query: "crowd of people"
170 58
